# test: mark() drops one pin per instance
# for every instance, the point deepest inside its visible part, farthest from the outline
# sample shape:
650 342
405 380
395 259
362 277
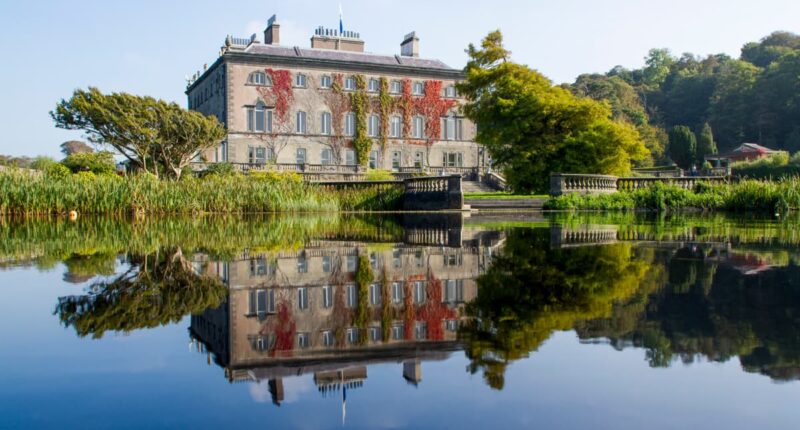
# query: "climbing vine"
433 107
385 107
359 102
338 103
280 94
363 278
407 108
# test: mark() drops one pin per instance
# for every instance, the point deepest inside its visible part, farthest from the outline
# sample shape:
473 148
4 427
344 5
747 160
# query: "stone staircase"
476 187
500 204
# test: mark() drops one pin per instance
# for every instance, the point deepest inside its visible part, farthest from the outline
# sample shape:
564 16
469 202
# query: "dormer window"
300 80
258 78
418 88
325 81
395 87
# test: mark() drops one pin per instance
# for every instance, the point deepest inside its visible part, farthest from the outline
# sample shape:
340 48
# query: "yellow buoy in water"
73 215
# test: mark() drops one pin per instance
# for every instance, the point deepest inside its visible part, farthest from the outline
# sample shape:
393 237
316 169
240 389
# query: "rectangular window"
396 126
352 335
301 156
303 340
350 124
420 330
351 262
373 126
419 292
452 159
374 294
325 157
450 92
326 264
350 83
418 88
373 159
398 295
453 260
302 265
418 159
259 119
351 296
396 160
397 261
301 123
451 325
453 291
258 267
261 302
397 332
349 157
374 85
396 87
257 155
375 334
300 80
302 298
325 123
327 296
325 81
327 338
418 127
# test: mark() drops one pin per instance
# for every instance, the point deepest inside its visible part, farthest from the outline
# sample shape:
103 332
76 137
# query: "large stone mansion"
301 109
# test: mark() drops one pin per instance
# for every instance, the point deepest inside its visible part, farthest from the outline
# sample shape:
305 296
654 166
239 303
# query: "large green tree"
532 128
682 146
152 134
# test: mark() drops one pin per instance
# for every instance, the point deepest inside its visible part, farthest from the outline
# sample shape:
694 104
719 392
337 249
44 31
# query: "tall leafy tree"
152 134
532 128
705 143
682 146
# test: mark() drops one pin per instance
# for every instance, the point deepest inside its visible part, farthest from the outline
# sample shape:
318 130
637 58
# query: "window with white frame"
257 155
259 118
352 335
418 127
396 126
258 78
374 85
261 303
325 81
350 124
350 295
420 330
300 80
418 88
452 159
397 258
350 263
326 264
418 290
419 159
398 295
373 125
350 83
326 157
396 87
301 123
349 157
303 340
300 156
397 332
396 155
327 338
374 294
453 291
325 123
373 159
302 265
374 334
450 92
302 298
327 296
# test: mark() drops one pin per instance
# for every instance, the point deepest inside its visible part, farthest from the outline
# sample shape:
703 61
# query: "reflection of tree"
714 311
531 290
156 289
83 267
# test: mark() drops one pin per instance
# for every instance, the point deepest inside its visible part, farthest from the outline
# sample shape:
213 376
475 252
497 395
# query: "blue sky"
147 47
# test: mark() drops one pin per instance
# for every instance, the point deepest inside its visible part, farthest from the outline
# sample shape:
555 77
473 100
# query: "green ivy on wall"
386 104
359 102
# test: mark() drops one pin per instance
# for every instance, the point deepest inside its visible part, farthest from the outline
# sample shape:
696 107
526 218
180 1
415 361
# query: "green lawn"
503 195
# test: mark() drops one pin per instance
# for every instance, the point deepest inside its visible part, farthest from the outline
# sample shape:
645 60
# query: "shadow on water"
273 297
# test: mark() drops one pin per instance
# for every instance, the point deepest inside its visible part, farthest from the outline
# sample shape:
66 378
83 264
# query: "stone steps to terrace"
476 187
532 204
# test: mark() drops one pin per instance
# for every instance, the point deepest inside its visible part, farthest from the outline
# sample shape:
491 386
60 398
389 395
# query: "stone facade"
233 90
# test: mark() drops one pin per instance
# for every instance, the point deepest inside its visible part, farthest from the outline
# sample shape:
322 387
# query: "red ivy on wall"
434 312
432 106
280 94
283 326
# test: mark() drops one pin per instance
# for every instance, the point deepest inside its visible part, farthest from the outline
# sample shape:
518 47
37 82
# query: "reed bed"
86 193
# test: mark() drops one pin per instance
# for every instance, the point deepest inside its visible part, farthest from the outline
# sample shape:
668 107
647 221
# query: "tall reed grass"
86 193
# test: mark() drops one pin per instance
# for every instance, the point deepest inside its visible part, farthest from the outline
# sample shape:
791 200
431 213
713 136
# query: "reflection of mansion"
304 311
292 109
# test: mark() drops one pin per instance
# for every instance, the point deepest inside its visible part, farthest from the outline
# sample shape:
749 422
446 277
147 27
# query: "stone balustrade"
433 193
563 183
686 182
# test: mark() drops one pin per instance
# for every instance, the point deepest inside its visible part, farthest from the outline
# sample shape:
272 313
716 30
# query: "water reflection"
275 298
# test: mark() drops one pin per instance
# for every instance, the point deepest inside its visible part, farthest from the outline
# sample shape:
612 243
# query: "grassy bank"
22 194
744 196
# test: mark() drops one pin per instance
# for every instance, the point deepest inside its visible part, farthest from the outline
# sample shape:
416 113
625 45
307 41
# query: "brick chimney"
410 45
272 35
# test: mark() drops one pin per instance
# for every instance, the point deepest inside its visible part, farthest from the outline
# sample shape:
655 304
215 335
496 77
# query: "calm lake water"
417 321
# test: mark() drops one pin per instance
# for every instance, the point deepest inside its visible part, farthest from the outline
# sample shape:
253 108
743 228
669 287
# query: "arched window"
258 78
301 124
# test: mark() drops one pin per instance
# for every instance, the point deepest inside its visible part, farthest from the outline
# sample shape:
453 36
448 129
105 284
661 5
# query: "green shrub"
220 169
100 163
56 171
379 175
42 163
270 176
